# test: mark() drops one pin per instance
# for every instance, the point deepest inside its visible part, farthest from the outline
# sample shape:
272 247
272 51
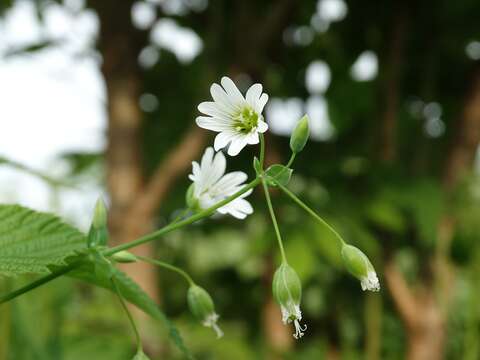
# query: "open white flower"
237 119
211 185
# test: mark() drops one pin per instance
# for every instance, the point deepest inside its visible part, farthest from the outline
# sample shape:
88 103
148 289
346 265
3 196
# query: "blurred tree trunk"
424 309
120 44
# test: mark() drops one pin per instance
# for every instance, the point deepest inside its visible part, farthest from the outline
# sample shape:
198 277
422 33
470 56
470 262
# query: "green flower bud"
300 135
287 292
359 266
98 233
202 307
100 214
124 257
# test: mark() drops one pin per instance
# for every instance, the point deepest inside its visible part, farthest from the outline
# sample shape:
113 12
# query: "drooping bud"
359 266
300 135
124 257
202 307
287 292
98 234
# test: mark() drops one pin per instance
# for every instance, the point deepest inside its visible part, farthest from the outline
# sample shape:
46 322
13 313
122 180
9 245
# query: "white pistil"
299 330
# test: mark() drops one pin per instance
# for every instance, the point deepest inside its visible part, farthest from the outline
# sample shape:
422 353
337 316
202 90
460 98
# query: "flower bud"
100 214
300 135
98 234
202 307
359 266
287 292
124 257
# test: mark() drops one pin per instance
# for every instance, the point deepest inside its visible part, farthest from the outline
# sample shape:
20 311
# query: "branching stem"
169 267
310 211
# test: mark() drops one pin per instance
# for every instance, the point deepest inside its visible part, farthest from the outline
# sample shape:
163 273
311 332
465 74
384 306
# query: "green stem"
156 234
130 318
274 220
292 158
310 211
262 150
169 267
37 283
181 215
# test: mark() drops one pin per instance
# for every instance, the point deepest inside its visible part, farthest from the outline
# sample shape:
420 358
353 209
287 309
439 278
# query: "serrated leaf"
32 241
132 293
278 173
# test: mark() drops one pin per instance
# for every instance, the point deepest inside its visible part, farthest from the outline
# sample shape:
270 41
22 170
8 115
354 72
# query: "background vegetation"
396 179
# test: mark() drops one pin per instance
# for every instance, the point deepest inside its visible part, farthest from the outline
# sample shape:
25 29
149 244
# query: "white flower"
370 282
293 313
211 185
237 119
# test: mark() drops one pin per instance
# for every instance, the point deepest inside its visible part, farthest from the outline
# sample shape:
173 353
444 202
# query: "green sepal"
200 302
124 257
286 287
190 199
278 174
300 135
356 261
257 166
98 233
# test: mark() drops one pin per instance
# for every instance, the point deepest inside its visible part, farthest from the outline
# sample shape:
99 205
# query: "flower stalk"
274 221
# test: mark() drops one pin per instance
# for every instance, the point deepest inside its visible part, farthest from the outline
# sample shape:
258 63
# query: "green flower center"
246 120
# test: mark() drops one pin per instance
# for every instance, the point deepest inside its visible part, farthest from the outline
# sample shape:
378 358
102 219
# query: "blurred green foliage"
387 210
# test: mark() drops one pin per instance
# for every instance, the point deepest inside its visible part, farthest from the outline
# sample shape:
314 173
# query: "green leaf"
32 241
134 294
278 173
